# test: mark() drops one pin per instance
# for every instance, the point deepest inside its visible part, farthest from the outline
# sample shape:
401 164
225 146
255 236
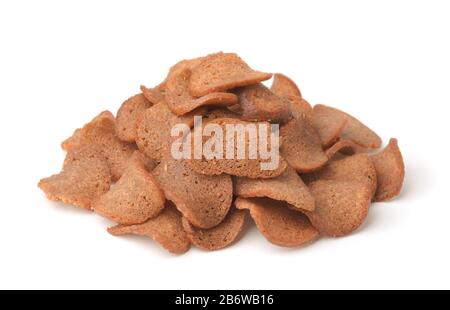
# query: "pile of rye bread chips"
329 171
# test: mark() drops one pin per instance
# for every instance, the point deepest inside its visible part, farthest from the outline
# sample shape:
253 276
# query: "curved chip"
328 123
301 146
220 113
153 95
278 223
390 171
180 101
222 71
218 237
300 108
353 130
356 168
166 229
134 199
284 86
154 129
344 146
99 135
341 206
244 166
127 116
287 187
258 103
80 182
203 200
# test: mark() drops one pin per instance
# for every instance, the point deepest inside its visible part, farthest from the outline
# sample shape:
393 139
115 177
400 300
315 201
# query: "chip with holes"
341 206
223 71
287 187
180 101
166 229
204 200
390 171
218 237
134 199
278 223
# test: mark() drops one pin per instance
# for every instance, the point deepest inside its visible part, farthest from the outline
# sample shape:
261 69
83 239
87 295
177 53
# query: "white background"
61 63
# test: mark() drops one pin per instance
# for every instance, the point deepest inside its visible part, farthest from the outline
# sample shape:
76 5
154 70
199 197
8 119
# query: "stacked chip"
328 172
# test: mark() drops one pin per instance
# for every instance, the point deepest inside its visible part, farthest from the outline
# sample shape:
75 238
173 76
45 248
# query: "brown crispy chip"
356 168
344 146
353 130
278 223
134 199
301 146
153 95
166 229
328 123
300 108
154 128
223 71
180 101
203 200
217 237
341 206
284 86
220 113
390 171
80 182
287 187
100 136
246 167
127 116
258 103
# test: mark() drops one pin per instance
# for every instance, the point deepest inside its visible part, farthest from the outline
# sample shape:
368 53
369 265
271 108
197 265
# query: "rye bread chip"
223 71
328 123
166 229
357 168
341 206
80 182
278 223
204 200
284 86
220 113
390 171
353 130
301 145
180 101
343 146
127 117
287 187
245 167
99 135
154 95
218 237
134 199
258 103
154 129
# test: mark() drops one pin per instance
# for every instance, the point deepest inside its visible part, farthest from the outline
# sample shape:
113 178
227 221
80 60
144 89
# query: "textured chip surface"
278 223
328 123
287 187
134 198
128 115
390 171
341 206
80 182
247 166
301 146
222 71
204 200
166 229
217 237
